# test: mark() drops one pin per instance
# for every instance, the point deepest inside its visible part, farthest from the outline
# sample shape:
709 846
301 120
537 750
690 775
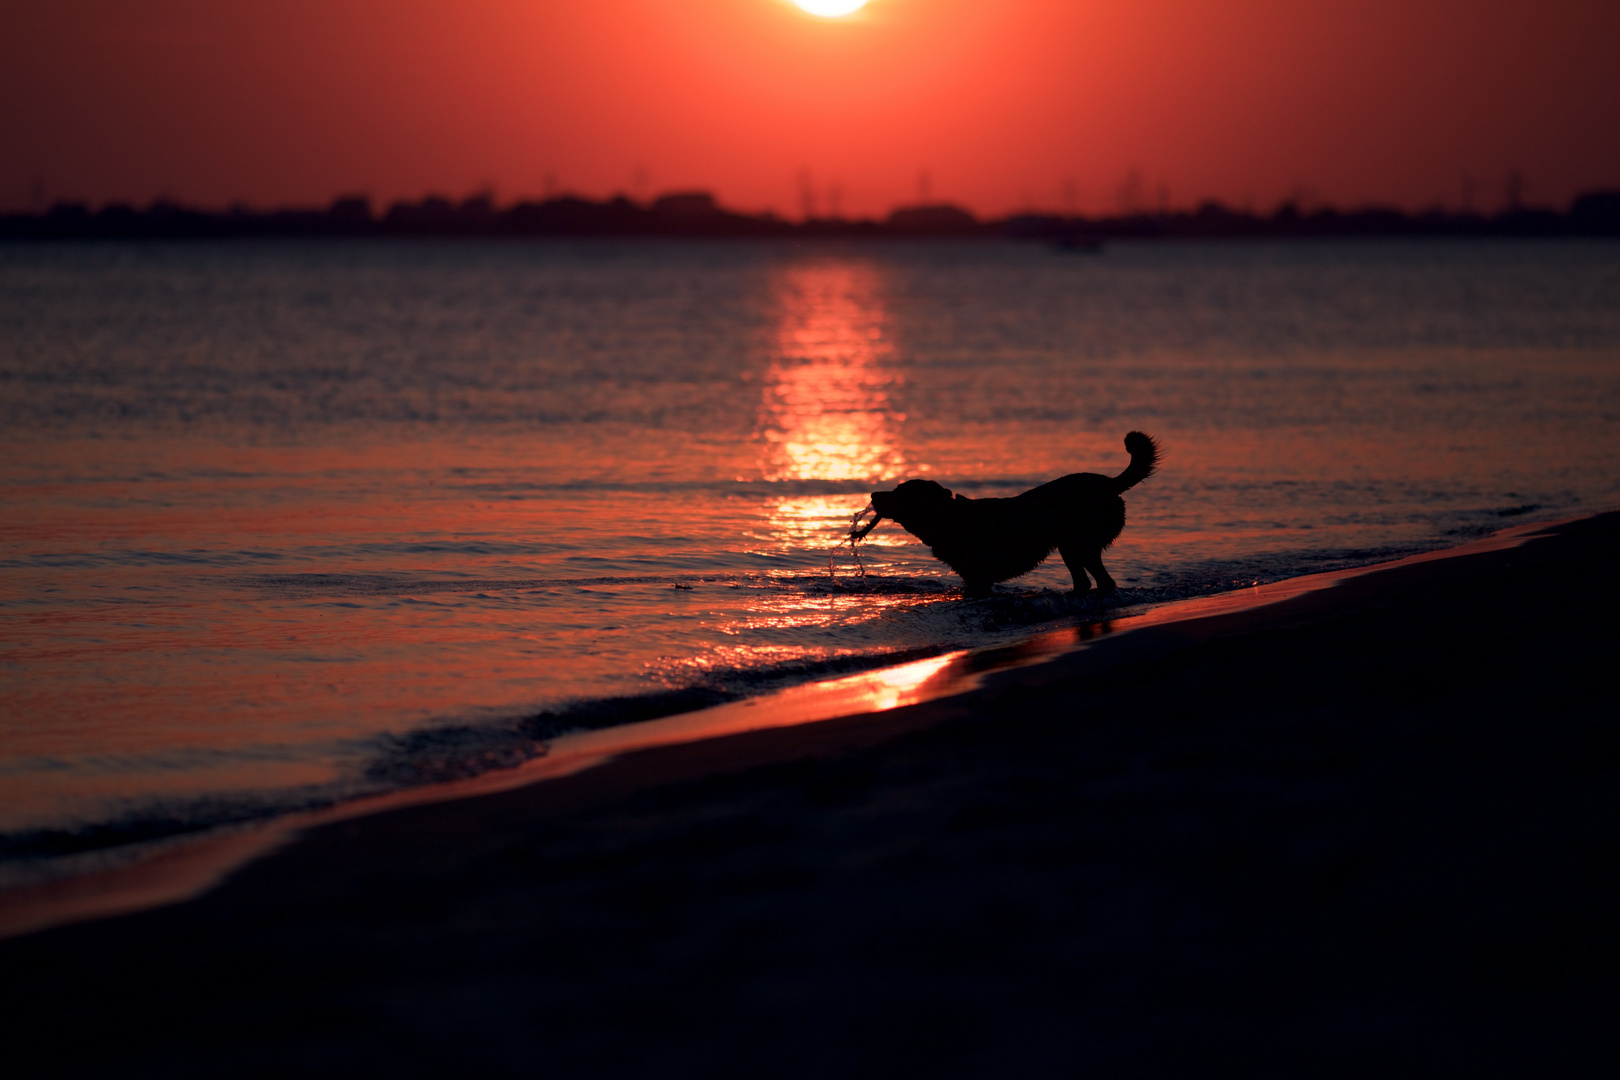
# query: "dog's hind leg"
1080 560
1077 567
1105 584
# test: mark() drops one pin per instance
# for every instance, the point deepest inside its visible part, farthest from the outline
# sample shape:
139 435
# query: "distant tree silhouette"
700 214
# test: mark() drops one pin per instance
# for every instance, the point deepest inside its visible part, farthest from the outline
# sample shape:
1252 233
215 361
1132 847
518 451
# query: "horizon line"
696 201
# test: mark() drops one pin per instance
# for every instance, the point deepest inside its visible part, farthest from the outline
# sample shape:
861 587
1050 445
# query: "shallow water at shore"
287 524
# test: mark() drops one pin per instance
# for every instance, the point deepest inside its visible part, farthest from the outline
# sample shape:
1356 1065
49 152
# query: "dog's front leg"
976 588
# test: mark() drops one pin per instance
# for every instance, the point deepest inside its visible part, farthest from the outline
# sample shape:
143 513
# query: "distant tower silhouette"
807 194
1130 193
1515 189
638 183
835 200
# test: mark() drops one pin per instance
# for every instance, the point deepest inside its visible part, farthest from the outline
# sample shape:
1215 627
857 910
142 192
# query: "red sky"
1003 103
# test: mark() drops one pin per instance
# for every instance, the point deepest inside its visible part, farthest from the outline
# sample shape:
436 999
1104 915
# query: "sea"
285 524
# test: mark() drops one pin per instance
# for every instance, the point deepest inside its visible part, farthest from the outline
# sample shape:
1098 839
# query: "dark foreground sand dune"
1370 827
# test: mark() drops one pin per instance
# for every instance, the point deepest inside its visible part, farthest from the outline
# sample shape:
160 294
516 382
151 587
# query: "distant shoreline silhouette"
696 214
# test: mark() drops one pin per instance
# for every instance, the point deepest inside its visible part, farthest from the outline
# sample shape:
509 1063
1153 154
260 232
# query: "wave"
460 748
434 753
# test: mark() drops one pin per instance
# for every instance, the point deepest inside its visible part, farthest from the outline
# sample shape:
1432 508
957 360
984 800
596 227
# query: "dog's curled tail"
1144 460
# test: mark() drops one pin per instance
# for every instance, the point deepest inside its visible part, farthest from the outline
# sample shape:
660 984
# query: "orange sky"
1003 103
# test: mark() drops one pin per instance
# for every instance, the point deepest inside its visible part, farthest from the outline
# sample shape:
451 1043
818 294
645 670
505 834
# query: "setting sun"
830 9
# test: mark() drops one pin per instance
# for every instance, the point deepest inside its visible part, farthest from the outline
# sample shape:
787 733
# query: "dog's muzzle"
856 529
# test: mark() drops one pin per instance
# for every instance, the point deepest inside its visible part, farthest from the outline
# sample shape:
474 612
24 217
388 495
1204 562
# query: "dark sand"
1364 828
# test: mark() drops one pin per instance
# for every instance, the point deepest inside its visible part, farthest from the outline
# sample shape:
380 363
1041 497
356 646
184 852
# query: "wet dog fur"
991 540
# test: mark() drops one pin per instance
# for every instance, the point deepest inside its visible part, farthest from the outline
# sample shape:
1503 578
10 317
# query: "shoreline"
1361 826
182 868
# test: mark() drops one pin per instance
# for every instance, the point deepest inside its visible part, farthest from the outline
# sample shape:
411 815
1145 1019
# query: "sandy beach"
1360 828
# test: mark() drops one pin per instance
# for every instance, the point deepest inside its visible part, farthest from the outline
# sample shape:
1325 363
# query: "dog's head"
914 503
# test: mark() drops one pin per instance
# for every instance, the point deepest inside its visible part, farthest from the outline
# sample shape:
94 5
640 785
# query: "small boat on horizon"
1080 243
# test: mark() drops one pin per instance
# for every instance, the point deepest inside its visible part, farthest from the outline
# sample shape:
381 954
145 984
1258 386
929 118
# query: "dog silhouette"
991 540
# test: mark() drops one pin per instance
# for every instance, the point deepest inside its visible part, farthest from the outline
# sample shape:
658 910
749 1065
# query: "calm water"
288 523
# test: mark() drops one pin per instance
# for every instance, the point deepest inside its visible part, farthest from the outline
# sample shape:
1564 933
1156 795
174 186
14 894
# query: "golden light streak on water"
826 413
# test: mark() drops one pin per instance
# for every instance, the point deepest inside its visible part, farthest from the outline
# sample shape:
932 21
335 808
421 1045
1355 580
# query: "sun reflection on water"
826 413
827 410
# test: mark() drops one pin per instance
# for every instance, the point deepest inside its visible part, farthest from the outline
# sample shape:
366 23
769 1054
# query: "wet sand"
1363 827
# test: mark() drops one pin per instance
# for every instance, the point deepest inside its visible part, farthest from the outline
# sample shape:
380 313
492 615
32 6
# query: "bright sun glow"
830 9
